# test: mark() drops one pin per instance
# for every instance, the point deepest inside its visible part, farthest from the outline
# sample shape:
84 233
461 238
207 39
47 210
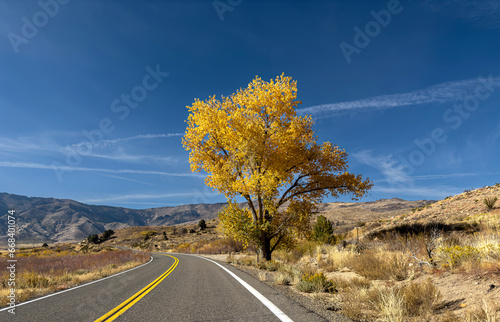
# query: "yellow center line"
127 304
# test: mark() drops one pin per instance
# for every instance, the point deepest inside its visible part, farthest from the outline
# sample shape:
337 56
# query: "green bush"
490 202
305 286
323 231
318 281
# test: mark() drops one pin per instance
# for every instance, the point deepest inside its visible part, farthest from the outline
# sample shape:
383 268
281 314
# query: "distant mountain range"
64 220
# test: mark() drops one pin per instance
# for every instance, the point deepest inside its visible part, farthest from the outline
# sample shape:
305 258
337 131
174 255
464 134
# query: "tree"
93 239
107 234
323 230
202 224
253 145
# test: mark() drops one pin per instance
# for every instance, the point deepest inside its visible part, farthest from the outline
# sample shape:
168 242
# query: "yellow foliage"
253 145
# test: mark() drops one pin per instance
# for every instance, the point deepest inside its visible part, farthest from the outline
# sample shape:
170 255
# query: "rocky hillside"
464 211
346 213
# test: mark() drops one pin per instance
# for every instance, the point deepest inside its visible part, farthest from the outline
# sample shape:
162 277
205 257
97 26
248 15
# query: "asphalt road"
195 290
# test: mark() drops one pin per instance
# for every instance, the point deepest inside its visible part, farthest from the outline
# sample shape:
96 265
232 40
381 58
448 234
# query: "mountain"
64 220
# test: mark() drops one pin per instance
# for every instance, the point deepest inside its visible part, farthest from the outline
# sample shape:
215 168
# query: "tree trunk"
266 247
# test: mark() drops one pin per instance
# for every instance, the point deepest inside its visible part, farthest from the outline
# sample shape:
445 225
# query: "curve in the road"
128 303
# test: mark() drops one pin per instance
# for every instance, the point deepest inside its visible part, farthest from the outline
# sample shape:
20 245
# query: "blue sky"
94 93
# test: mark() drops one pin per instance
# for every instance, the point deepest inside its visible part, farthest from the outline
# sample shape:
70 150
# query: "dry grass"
49 272
218 246
486 312
380 265
420 298
391 305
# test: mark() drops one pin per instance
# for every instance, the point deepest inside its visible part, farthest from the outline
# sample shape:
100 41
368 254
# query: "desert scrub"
282 278
269 265
420 298
490 202
380 265
336 259
391 305
487 312
315 283
454 256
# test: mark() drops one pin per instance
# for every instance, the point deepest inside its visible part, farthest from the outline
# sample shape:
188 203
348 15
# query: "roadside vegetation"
439 262
43 270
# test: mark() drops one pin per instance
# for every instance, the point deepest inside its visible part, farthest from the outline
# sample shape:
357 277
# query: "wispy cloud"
28 144
107 143
104 149
386 164
421 192
122 156
441 93
146 197
32 165
126 179
114 150
485 13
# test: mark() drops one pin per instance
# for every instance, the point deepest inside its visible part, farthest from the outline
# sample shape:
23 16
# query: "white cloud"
421 192
32 165
107 143
145 197
113 149
386 164
441 93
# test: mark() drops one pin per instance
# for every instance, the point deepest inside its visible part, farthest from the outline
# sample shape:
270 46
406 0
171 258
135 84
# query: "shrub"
490 202
269 265
282 279
305 286
323 231
202 224
455 255
380 266
391 305
148 234
319 283
419 298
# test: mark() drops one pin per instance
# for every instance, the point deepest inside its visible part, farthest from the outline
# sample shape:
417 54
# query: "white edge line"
74 288
273 308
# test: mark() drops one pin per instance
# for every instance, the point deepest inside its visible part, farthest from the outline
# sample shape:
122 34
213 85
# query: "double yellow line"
127 304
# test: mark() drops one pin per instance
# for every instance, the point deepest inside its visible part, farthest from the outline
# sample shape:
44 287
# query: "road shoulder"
306 308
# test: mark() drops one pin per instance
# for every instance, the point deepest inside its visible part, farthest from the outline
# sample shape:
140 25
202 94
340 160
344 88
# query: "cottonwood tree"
253 145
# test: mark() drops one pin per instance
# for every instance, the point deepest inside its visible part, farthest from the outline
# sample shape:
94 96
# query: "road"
190 289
